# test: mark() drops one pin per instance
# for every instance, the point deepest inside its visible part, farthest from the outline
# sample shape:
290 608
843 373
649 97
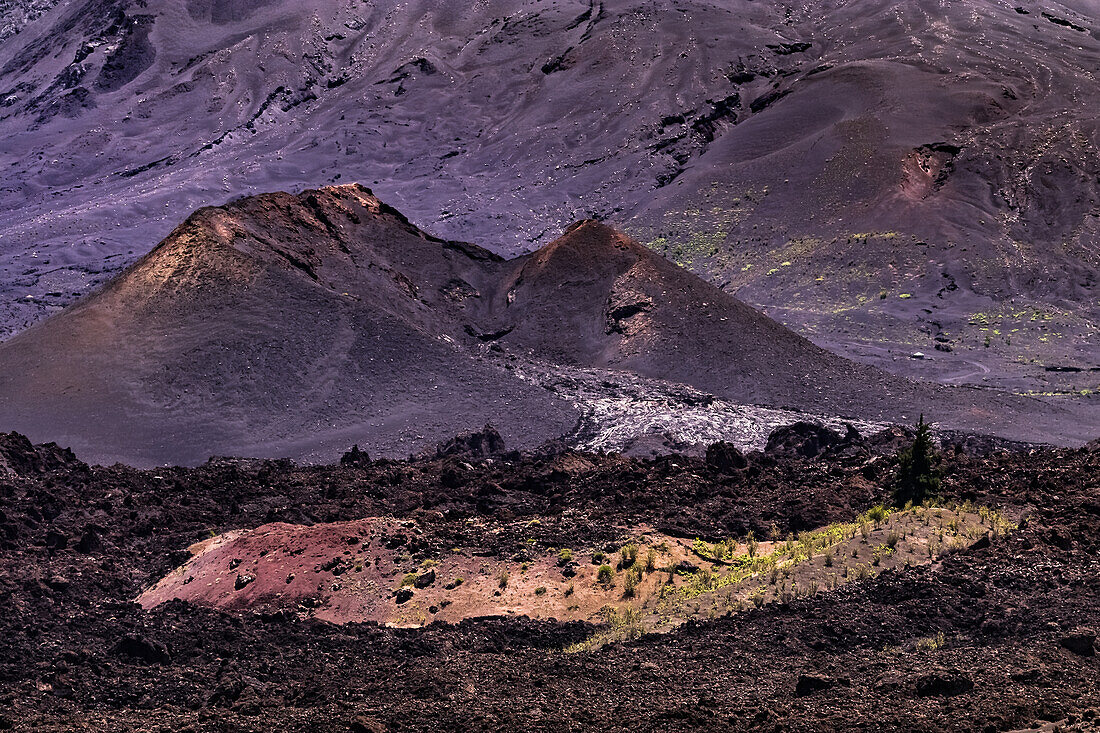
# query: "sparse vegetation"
565 556
622 625
628 554
630 582
931 643
502 579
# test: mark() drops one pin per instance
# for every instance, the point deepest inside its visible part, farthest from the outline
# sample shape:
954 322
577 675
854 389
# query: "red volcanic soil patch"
284 565
362 571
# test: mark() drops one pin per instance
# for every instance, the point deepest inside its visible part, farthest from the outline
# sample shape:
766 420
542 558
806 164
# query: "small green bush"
565 556
877 513
605 575
931 643
630 582
628 553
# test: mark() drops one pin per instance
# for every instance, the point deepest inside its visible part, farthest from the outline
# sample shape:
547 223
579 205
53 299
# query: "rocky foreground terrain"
995 633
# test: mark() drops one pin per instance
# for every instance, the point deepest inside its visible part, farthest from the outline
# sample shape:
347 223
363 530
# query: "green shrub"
502 579
650 560
628 554
540 591
565 556
409 579
877 513
605 575
630 582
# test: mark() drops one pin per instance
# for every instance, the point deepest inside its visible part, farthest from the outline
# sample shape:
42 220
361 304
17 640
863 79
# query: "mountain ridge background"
884 178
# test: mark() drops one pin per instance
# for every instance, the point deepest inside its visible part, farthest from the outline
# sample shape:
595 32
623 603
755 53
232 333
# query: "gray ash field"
882 177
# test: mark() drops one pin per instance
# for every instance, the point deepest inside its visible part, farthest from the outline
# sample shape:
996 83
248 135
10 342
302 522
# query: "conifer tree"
918 478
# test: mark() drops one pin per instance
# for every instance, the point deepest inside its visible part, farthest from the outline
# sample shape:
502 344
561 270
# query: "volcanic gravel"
1017 614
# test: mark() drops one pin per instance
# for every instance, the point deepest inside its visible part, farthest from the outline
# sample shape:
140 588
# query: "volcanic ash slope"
283 325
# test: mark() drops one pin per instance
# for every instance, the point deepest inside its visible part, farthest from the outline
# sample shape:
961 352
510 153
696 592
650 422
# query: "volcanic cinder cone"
284 325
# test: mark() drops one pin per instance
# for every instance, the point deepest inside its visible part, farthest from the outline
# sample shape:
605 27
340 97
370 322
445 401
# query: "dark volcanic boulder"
809 683
1081 642
802 439
90 541
19 457
425 579
355 457
891 440
143 649
478 444
725 457
943 684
